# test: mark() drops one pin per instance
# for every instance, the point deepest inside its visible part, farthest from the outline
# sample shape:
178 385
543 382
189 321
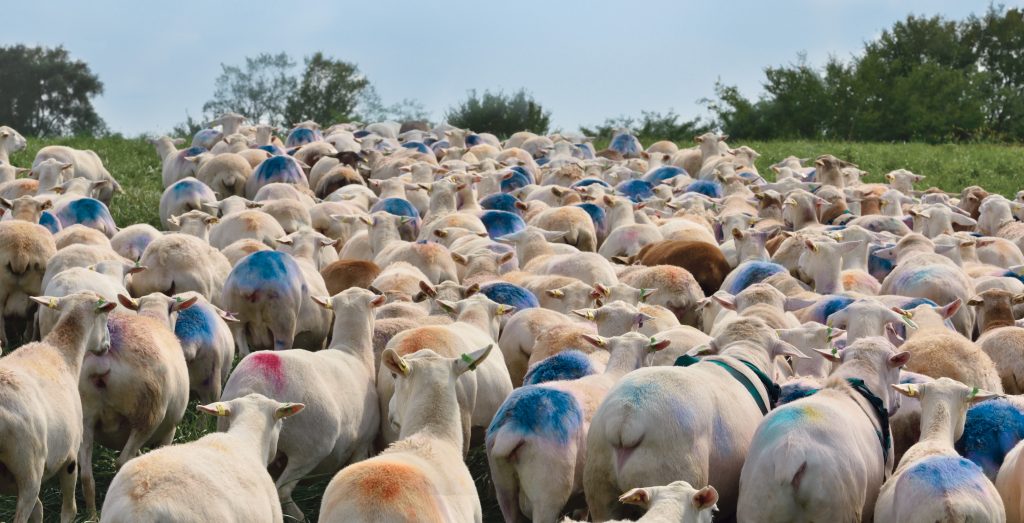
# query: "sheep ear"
395 363
898 360
227 316
136 269
726 300
128 302
472 289
908 390
637 496
949 309
427 289
978 395
505 258
705 498
284 240
49 301
288 409
323 302
219 409
596 341
782 348
834 355
659 344
448 306
587 314
471 361
459 259
1017 299
378 300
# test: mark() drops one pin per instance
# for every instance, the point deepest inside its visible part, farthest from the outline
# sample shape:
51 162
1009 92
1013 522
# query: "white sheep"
180 263
130 242
932 482
789 473
336 386
27 247
422 476
240 225
226 174
87 164
219 477
677 502
536 444
41 412
538 256
105 278
10 142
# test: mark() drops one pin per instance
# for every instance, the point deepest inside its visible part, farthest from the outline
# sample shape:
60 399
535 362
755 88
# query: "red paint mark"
269 364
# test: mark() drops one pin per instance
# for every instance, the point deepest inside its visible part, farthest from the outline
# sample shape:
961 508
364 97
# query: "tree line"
924 79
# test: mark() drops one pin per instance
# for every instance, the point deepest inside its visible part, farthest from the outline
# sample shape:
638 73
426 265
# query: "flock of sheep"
654 333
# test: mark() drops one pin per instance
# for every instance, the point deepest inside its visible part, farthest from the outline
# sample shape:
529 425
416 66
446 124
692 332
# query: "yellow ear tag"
403 366
53 303
221 411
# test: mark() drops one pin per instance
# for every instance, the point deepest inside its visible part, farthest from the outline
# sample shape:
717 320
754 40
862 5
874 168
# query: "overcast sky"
584 60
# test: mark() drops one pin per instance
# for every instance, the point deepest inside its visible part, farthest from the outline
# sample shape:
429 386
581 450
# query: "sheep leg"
136 439
294 471
238 332
68 477
4 345
85 463
467 431
283 330
28 507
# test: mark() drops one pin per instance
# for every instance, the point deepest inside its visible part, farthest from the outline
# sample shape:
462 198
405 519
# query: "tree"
372 109
46 93
259 91
499 113
328 92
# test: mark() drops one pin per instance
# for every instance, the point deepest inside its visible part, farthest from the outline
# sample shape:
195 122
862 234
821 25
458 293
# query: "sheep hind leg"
136 439
68 476
283 330
29 507
293 472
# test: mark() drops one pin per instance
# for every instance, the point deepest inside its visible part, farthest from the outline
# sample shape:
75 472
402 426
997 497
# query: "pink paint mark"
269 365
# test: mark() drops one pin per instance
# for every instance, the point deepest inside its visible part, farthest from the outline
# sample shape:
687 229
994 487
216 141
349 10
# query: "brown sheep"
705 262
344 274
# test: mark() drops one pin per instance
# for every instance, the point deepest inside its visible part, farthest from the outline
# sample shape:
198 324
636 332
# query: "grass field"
135 164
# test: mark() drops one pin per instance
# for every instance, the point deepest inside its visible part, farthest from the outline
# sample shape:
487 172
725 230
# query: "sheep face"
11 140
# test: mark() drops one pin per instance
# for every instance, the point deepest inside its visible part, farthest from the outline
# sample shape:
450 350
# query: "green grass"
135 164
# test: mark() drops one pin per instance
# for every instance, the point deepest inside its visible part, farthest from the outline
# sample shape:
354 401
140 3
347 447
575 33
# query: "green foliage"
328 92
46 93
651 125
372 109
499 113
259 90
923 79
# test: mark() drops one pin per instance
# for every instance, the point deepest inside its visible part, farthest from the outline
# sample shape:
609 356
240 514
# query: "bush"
651 126
500 114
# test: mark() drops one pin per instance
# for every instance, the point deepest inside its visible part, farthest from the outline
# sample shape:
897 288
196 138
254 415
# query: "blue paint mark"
362 133
943 475
878 267
192 151
568 365
115 327
781 420
279 169
635 190
50 221
590 181
501 202
547 413
812 175
195 324
264 270
440 146
522 170
794 390
706 187
272 149
626 144
500 223
419 146
205 137
1011 274
302 136
85 211
663 173
831 306
586 151
190 186
510 294
397 207
914 379
516 181
992 429
544 160
473 139
597 215
752 272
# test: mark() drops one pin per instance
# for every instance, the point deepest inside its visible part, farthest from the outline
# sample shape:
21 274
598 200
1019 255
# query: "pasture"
134 163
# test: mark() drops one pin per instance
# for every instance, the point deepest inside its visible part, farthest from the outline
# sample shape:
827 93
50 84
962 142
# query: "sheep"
676 502
934 482
276 169
626 442
270 293
27 248
227 470
8 173
422 476
939 352
1008 483
178 165
705 262
135 393
225 174
77 256
520 334
290 214
678 290
334 384
87 164
132 241
536 444
252 224
105 279
536 255
89 212
25 208
283 191
182 196
580 230
619 317
480 394
178 263
789 473
433 259
344 274
41 412
11 141
1000 339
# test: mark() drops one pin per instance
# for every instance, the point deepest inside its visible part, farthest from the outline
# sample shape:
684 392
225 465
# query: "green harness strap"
686 361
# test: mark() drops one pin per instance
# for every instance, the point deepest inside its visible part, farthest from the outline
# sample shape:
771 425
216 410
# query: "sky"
583 60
